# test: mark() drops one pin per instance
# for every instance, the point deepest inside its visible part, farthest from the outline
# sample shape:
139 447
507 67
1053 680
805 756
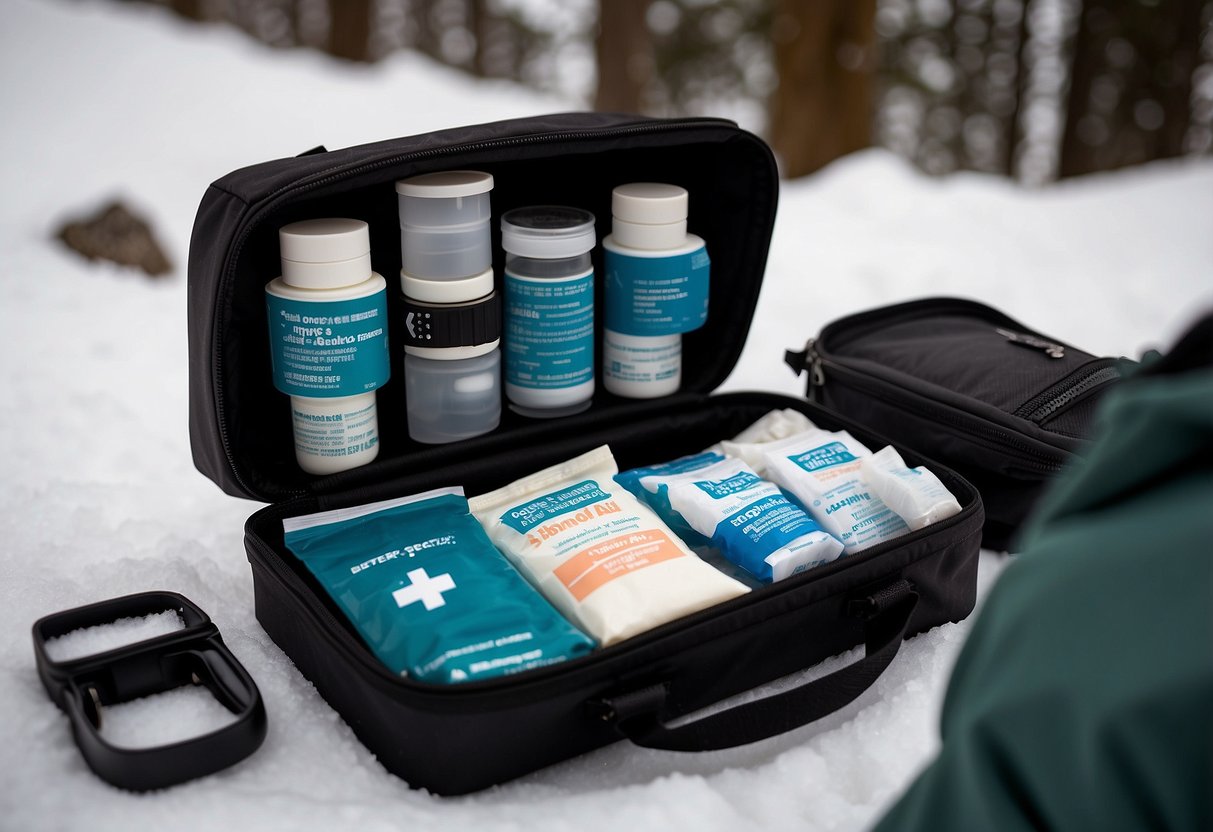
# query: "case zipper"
812 361
293 189
1061 395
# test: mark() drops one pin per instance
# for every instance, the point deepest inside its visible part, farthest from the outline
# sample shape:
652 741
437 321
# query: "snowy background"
98 496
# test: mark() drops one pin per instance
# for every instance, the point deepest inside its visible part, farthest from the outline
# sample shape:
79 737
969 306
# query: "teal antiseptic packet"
428 592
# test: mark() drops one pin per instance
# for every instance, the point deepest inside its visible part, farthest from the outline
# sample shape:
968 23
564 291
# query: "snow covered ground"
98 496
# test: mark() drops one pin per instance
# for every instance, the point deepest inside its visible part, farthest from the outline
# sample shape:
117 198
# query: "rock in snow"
117 234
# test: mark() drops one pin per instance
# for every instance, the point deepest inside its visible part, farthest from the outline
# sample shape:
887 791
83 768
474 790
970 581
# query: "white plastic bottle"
656 288
328 341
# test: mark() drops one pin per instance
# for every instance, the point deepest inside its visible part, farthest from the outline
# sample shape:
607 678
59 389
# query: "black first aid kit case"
457 738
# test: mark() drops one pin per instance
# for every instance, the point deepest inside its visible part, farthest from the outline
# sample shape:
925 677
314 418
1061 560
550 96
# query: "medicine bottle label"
326 349
656 295
332 434
629 363
549 331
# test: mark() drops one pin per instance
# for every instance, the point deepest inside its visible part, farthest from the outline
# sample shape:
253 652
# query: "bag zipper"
284 193
1004 439
1039 408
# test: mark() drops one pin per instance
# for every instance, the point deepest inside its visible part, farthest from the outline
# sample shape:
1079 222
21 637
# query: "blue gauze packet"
751 521
428 592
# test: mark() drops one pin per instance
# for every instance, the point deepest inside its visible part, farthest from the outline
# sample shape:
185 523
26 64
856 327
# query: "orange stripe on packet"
617 557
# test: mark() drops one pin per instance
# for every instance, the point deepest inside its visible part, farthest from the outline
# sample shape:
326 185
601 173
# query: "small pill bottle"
452 357
549 309
328 341
656 288
452 312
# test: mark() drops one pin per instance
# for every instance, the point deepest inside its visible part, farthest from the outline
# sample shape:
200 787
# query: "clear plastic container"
444 224
452 400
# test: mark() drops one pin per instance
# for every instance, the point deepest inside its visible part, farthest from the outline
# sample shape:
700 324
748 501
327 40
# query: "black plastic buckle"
196 654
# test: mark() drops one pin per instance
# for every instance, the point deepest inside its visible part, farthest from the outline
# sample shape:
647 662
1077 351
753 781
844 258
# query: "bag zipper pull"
1032 342
807 359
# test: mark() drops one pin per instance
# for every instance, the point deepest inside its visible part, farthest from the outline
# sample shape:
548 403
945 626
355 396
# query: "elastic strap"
438 325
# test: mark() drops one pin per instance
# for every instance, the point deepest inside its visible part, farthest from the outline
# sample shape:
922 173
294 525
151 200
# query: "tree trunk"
825 54
1182 51
1076 155
350 29
479 25
624 52
191 9
1021 90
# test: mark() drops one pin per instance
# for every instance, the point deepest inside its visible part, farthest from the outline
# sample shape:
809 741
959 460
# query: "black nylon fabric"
1002 404
480 734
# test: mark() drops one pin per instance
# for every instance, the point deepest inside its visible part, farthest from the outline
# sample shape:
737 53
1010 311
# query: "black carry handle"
637 715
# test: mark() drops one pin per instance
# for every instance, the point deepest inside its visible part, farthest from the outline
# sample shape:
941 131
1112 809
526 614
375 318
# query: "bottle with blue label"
328 341
549 309
656 288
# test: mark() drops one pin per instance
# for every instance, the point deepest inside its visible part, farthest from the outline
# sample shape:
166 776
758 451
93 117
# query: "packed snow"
100 638
98 497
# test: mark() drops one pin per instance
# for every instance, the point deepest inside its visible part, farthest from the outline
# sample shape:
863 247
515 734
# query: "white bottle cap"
547 232
462 290
325 254
649 215
649 203
446 184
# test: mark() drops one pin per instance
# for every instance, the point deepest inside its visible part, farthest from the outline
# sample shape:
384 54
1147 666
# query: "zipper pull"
817 375
807 359
1032 342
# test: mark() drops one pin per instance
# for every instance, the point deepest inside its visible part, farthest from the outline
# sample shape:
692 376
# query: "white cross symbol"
425 589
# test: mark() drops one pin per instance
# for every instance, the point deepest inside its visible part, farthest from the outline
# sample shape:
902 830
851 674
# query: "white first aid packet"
822 469
751 442
601 556
778 424
916 494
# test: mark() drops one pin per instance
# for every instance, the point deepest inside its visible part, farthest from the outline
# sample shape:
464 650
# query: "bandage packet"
915 494
747 518
751 442
822 470
600 555
777 424
428 592
659 502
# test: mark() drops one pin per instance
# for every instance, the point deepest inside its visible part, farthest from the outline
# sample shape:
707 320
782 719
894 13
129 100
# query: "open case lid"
240 425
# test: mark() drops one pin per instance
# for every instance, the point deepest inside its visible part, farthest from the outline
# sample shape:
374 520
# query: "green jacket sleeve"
1083 698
